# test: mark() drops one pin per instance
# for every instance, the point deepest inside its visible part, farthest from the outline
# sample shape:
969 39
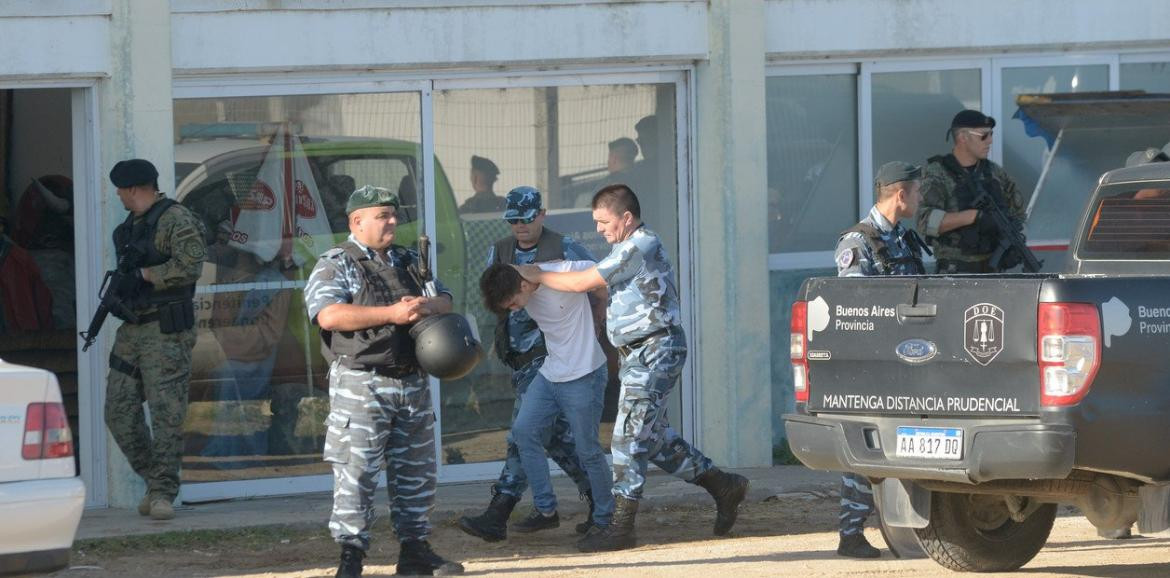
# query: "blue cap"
522 203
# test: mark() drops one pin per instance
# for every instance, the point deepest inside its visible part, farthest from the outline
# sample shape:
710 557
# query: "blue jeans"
581 401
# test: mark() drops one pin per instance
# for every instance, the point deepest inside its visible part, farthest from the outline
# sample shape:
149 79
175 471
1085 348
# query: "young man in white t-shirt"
572 380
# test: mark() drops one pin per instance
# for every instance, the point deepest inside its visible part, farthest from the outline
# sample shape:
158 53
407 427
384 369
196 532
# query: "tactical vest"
884 261
384 349
135 249
970 239
549 247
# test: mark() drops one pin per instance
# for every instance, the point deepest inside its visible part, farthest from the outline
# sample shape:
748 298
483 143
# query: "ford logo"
916 351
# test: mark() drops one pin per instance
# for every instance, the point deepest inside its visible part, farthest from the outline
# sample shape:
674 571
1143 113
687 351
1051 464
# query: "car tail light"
1068 350
46 432
798 349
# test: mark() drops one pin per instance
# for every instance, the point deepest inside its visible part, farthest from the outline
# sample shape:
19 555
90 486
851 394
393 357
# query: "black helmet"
445 346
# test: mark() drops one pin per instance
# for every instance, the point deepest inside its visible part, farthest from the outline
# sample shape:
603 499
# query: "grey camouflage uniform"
644 322
374 421
523 336
939 197
146 365
855 258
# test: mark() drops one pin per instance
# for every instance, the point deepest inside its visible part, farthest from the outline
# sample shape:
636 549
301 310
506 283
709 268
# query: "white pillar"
137 116
732 348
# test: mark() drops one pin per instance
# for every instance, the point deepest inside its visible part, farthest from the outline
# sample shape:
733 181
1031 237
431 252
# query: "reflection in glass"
270 177
557 139
1147 76
1023 156
812 160
913 110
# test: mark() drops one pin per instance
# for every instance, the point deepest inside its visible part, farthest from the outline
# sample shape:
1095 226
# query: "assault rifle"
118 283
1011 236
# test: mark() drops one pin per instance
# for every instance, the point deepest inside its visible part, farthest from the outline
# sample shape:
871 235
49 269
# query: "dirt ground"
787 536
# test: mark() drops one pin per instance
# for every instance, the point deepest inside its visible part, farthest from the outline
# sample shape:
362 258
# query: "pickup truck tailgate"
934 346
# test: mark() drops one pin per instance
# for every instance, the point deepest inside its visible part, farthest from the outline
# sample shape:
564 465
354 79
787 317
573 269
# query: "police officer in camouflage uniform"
163 243
365 294
878 245
644 323
964 240
520 345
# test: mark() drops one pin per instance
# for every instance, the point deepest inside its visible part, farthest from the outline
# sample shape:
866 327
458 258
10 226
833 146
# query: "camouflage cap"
522 203
132 173
1150 155
371 196
896 172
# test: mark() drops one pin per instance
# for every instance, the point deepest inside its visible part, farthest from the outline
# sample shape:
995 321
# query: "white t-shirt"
567 323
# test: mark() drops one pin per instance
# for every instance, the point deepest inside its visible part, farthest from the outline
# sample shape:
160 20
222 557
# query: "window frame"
425 84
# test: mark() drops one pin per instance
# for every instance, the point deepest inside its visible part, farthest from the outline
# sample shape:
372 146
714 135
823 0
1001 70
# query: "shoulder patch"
845 258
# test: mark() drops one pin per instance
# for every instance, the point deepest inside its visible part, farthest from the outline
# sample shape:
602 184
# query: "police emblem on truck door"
983 332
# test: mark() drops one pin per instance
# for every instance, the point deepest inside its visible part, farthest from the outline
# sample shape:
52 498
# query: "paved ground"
786 527
452 499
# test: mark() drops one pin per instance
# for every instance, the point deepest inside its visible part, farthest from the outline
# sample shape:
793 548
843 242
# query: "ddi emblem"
983 332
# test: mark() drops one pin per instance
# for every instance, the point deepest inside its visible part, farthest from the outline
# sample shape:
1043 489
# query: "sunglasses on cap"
519 221
981 135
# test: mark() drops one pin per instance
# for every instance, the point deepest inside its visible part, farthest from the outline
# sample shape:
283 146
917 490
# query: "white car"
41 497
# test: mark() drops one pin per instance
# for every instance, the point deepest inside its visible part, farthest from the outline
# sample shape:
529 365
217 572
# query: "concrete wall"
292 35
799 29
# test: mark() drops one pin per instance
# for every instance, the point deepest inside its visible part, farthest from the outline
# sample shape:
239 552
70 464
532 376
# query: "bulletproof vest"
135 240
889 262
135 249
386 348
970 239
549 247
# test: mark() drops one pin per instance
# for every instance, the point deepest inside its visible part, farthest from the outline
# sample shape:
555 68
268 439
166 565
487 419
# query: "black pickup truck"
977 403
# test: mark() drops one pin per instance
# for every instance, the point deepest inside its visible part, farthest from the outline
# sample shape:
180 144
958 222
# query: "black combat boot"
618 535
856 546
351 562
536 522
417 559
492 525
728 490
588 523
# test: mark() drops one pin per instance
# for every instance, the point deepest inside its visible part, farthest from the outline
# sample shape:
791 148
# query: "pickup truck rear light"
798 349
1069 351
46 432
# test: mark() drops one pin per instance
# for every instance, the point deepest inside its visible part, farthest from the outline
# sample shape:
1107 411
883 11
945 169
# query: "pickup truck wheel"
975 533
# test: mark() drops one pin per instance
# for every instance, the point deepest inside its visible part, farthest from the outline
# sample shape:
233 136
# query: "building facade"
757 124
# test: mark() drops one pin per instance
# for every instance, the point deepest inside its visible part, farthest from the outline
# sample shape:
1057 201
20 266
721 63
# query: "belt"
629 348
145 318
121 365
392 372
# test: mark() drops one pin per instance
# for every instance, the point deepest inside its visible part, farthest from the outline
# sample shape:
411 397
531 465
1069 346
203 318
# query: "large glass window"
912 111
269 176
812 160
1147 76
1024 155
567 142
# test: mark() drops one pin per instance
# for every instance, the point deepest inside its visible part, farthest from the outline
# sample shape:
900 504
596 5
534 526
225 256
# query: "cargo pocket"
337 439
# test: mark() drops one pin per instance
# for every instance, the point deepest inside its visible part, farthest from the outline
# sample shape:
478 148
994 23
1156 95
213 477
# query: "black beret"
972 119
132 173
484 165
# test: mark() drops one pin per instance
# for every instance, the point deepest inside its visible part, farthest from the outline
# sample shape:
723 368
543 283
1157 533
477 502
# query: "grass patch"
250 539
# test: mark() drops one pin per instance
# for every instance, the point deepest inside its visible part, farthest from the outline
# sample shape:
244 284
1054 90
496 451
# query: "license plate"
942 443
